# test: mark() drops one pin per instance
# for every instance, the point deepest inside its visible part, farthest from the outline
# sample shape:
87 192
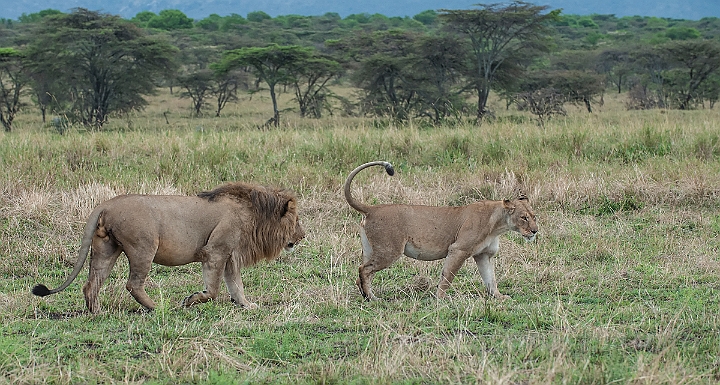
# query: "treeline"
439 65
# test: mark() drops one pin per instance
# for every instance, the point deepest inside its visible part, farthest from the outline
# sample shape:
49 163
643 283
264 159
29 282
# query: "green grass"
621 286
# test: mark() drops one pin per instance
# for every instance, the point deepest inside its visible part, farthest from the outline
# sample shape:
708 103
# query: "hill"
198 9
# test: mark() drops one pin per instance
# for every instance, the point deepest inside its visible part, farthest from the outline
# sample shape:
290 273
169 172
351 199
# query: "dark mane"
264 199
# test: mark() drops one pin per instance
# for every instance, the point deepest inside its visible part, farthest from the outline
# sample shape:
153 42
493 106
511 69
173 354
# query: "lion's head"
521 217
276 221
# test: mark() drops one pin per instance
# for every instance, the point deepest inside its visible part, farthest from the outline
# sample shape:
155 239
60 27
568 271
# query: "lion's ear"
289 207
508 206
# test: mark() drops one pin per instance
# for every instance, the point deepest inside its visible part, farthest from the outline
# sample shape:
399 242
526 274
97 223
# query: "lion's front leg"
235 285
486 266
212 268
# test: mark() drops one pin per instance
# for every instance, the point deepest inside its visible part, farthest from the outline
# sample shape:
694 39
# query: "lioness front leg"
486 266
234 283
453 262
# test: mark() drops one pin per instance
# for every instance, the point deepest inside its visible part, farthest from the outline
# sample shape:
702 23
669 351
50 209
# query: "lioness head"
521 217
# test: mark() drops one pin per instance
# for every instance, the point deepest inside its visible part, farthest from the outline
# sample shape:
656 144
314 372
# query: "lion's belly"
423 254
179 250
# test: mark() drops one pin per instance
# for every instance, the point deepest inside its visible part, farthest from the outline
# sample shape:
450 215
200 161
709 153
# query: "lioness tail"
90 227
363 208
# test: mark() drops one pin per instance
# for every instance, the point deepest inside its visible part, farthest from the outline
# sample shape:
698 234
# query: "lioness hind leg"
366 272
453 262
363 283
103 256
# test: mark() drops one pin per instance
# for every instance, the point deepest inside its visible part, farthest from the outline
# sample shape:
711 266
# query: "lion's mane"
269 225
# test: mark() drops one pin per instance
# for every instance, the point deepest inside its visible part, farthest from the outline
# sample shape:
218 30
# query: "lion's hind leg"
104 254
140 261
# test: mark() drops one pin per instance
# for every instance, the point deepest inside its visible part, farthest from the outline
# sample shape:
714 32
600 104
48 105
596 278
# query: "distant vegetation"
437 66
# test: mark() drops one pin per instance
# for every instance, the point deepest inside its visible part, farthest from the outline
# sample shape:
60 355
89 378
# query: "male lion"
233 226
428 233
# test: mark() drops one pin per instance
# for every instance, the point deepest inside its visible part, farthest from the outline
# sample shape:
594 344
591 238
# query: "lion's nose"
291 244
534 231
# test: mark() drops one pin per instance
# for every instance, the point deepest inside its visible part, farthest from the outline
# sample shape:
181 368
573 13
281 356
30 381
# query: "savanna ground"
621 286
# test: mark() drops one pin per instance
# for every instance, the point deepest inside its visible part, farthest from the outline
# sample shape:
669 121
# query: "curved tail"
363 208
90 227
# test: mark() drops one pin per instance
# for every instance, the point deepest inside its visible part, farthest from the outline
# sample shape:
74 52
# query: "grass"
621 286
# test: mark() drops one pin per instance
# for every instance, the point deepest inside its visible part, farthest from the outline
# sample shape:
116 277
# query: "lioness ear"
508 206
521 196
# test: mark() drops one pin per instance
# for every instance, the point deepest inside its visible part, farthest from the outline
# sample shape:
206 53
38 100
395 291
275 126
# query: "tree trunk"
483 93
276 113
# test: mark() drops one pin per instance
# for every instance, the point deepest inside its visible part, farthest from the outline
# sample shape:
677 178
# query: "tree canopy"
497 32
273 65
104 64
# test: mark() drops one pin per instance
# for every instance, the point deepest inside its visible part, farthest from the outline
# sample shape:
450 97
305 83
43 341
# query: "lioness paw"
250 306
502 297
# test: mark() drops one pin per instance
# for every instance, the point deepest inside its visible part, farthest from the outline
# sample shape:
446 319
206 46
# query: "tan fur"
429 233
233 226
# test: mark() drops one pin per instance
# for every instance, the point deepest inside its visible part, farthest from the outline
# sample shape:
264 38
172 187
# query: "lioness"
233 226
429 233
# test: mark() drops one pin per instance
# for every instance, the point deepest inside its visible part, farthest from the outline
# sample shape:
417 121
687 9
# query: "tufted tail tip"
389 169
41 290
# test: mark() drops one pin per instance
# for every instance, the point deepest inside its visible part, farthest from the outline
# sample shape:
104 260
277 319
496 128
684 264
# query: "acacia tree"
650 90
379 66
102 64
578 87
12 83
403 74
170 19
272 64
544 103
197 86
226 87
438 67
695 61
497 32
309 80
615 64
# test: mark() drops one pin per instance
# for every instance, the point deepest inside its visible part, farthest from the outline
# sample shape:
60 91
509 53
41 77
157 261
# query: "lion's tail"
363 208
90 227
